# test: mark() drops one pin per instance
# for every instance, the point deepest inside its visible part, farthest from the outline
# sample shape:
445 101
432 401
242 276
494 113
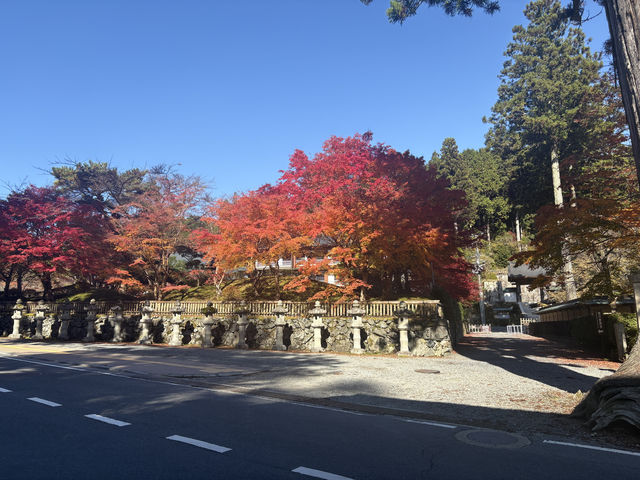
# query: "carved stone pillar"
41 312
92 314
243 320
316 314
145 321
116 319
17 318
65 319
280 311
176 323
356 325
403 314
207 323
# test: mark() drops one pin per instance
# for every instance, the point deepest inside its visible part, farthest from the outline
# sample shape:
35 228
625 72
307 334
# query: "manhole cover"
424 370
492 439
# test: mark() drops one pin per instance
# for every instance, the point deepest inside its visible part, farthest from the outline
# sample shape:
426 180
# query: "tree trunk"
617 397
47 286
7 280
624 25
569 280
614 398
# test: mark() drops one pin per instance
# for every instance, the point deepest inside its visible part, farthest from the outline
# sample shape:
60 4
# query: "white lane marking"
44 402
199 443
590 447
319 474
320 407
4 390
433 424
112 421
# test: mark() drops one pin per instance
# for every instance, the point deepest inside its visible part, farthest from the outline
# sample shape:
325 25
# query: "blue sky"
227 90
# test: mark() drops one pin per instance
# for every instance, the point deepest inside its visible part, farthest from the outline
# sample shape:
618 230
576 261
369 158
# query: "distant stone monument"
316 313
17 318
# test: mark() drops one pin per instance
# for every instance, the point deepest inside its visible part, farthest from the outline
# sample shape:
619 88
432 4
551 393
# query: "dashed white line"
112 421
591 447
310 472
432 424
199 443
44 402
4 390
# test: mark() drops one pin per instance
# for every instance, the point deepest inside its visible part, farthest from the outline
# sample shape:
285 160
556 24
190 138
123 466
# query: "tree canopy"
366 214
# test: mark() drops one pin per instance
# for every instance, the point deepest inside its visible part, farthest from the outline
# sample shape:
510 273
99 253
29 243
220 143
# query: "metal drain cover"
424 370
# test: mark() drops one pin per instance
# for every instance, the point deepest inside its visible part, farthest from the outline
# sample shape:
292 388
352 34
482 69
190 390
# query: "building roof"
524 274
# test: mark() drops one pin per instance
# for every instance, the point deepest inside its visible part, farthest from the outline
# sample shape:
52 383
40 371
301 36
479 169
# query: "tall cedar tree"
48 234
153 227
623 17
603 221
548 74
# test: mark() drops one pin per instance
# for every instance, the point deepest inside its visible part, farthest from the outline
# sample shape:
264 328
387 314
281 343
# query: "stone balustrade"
406 332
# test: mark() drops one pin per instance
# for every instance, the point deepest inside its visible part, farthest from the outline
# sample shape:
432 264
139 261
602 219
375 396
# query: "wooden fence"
423 308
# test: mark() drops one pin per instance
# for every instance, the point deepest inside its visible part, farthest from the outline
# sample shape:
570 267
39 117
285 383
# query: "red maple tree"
48 234
378 218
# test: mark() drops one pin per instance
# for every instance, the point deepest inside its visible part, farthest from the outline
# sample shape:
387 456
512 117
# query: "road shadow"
513 354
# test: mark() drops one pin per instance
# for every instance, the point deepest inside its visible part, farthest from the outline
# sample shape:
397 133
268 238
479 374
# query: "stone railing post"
176 323
280 311
117 319
65 318
92 315
356 325
17 318
316 313
243 320
207 323
41 312
145 321
403 314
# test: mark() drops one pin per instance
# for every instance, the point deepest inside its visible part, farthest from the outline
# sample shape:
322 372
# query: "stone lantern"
145 321
41 313
65 319
116 319
207 323
17 318
356 325
92 314
242 312
316 313
280 311
404 315
176 323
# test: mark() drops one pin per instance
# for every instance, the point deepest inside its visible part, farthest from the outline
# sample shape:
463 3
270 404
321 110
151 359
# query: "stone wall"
428 335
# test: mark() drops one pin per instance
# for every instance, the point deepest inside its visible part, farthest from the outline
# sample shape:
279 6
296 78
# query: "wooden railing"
423 308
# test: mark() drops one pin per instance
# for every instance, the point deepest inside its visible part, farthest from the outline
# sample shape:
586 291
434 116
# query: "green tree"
548 74
99 184
483 177
624 27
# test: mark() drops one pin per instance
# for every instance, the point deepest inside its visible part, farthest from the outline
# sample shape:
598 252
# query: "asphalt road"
177 432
